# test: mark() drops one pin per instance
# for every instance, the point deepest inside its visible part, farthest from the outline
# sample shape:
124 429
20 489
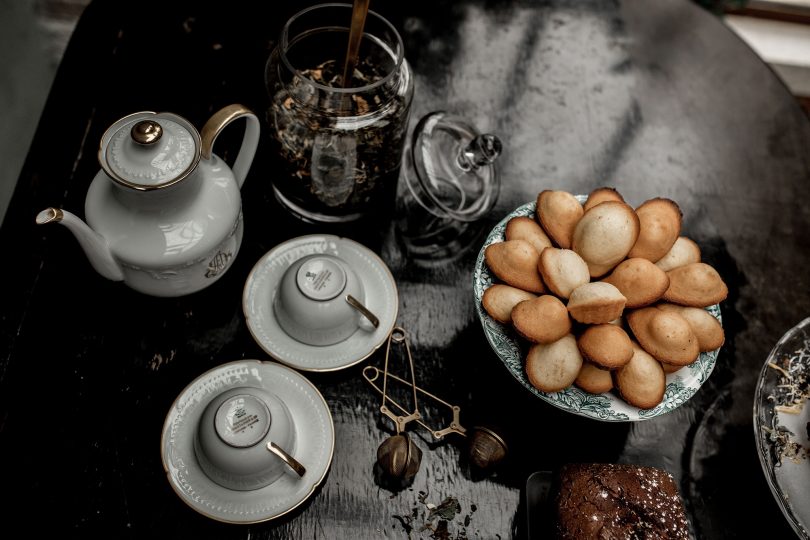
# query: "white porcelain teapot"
164 213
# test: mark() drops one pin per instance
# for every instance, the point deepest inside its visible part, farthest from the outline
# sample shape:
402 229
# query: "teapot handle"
218 122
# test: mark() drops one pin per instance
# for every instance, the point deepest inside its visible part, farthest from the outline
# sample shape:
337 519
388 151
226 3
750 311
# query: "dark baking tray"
538 508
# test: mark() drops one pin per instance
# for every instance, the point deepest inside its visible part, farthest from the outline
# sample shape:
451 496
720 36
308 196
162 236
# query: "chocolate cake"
607 501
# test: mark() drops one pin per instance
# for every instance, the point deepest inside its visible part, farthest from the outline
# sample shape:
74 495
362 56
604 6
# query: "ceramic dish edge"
764 447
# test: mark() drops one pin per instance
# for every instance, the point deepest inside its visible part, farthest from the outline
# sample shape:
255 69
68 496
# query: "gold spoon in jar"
359 12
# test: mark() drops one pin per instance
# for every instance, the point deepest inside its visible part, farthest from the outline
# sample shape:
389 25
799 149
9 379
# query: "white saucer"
260 291
314 432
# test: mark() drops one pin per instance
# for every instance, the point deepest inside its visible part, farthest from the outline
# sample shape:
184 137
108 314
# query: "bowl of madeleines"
598 308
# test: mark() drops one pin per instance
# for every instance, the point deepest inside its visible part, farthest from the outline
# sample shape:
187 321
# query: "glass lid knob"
483 150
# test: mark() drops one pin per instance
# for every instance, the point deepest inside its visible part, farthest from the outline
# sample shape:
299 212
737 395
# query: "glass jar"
340 146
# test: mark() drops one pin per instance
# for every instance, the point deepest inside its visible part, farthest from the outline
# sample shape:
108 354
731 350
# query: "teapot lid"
147 150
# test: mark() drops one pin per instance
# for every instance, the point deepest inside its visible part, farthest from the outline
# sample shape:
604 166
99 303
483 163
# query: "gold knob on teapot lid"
146 132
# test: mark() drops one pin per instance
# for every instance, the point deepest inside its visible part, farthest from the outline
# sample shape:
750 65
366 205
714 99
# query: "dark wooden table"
653 98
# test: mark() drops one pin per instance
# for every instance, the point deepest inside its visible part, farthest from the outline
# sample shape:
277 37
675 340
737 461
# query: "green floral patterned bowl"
607 407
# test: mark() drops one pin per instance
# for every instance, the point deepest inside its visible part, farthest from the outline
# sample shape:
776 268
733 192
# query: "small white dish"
314 433
262 286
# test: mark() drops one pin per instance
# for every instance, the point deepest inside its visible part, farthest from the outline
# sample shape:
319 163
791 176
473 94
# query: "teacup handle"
355 303
291 462
218 122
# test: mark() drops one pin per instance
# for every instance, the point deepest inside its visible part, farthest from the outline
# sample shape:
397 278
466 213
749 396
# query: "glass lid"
455 167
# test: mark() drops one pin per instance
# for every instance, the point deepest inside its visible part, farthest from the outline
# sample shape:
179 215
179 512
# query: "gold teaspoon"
359 12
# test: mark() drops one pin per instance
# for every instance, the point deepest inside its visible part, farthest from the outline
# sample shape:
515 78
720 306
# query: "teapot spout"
93 244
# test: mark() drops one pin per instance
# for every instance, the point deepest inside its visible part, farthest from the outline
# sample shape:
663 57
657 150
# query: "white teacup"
234 437
320 301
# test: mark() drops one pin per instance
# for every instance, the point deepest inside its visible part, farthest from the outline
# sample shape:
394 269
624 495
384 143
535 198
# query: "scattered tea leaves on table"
438 521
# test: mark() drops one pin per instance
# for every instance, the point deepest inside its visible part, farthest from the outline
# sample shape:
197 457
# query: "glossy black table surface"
652 98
